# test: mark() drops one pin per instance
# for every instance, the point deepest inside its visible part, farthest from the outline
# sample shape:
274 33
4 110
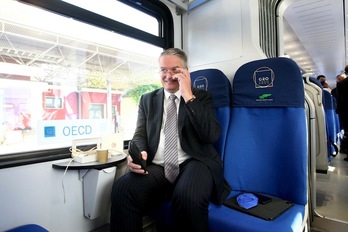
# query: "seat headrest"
328 102
215 82
272 82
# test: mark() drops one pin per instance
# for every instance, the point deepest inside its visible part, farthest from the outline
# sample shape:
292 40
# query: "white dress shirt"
182 156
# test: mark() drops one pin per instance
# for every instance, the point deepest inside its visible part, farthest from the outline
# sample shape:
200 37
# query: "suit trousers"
134 195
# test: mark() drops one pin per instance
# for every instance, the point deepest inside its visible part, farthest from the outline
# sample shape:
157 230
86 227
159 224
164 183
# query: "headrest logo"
201 83
263 77
265 96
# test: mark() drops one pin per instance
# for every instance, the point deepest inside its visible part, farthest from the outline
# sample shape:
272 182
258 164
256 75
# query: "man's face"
340 78
168 64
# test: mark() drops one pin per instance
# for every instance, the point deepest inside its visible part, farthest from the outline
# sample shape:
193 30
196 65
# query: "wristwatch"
192 99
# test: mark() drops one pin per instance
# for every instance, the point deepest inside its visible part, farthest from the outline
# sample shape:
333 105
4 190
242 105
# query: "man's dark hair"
320 76
176 52
346 69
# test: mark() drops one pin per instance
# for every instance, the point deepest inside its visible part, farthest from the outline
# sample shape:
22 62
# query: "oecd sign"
56 131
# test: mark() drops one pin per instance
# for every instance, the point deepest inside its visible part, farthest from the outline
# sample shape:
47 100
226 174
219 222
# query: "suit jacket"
198 129
342 97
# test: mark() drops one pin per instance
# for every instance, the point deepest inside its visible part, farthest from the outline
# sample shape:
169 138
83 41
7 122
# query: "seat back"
28 228
311 124
315 92
215 82
266 148
331 130
337 120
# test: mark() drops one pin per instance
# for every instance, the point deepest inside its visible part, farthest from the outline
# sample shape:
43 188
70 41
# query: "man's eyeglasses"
164 71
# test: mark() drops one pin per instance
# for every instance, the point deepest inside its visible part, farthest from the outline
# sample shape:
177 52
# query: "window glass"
119 12
61 79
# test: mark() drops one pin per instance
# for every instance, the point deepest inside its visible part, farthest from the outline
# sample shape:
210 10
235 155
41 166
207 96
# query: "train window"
123 14
96 111
53 103
66 78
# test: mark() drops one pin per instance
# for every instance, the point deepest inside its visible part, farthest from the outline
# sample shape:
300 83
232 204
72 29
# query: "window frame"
156 9
165 39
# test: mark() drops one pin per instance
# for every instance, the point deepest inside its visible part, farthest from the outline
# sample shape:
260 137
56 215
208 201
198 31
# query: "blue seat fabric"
28 228
222 219
331 124
337 121
330 119
266 145
215 82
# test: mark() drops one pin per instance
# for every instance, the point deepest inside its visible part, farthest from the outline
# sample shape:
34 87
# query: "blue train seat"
28 228
216 83
329 122
266 146
311 124
337 120
331 125
318 106
318 133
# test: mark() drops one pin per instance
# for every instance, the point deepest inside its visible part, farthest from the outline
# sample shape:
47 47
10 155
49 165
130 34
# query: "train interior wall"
34 194
225 38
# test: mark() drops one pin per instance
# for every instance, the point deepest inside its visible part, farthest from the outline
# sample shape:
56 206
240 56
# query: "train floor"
332 190
332 197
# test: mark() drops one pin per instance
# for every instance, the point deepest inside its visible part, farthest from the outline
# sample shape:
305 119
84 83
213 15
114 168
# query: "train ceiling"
314 36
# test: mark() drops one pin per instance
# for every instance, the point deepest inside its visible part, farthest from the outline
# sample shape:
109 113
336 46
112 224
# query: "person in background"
326 87
339 78
324 84
200 178
321 79
341 93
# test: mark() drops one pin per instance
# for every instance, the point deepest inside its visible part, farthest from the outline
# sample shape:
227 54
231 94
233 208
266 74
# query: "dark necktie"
171 163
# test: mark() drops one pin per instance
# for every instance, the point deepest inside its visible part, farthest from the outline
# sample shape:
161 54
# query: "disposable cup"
102 155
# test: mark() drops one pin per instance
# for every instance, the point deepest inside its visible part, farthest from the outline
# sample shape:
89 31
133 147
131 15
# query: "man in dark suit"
342 109
200 178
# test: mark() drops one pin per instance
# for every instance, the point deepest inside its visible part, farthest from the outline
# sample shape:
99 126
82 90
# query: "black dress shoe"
346 159
344 146
344 150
